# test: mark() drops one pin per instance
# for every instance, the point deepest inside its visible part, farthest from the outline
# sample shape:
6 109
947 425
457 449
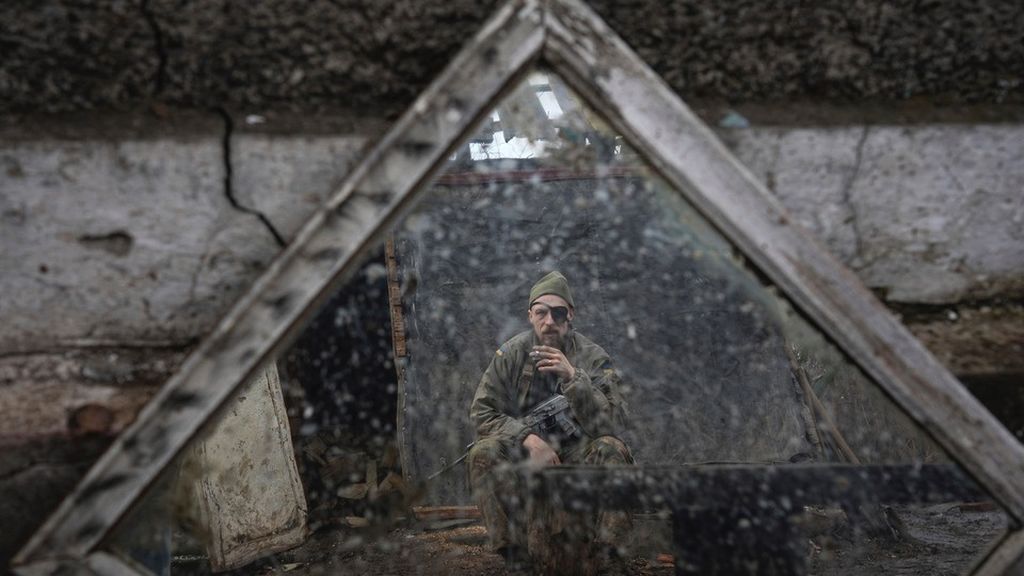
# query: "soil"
403 551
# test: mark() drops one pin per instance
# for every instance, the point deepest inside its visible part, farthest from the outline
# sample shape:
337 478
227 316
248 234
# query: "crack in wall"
229 191
857 261
160 76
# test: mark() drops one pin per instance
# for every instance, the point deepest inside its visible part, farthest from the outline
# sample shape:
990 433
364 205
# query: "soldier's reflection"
580 420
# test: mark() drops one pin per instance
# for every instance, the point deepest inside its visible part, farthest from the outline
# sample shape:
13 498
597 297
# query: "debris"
341 466
179 558
815 521
371 479
733 119
389 459
315 449
984 506
448 524
819 409
431 513
353 491
473 535
391 483
357 521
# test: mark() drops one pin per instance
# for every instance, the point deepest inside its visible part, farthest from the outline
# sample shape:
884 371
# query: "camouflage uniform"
508 389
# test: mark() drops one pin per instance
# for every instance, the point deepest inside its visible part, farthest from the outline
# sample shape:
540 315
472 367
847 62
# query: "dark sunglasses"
558 313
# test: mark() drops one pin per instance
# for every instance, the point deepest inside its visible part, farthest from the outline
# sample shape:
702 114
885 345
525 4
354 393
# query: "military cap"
552 283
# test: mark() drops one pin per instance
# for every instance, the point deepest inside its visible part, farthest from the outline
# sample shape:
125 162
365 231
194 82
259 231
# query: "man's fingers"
543 456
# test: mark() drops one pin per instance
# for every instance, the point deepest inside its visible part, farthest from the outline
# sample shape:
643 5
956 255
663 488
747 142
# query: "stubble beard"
553 339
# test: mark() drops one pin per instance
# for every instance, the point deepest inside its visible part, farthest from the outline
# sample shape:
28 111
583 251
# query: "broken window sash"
679 148
744 416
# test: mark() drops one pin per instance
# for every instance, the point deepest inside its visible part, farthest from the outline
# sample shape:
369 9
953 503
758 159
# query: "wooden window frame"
574 42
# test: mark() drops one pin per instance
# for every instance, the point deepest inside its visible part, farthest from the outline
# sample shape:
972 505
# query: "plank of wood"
324 254
431 513
650 116
844 448
395 303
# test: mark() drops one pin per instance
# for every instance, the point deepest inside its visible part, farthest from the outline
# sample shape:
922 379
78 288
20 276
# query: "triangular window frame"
574 42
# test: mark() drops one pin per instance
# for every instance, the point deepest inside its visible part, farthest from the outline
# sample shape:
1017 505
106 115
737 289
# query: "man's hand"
552 360
541 453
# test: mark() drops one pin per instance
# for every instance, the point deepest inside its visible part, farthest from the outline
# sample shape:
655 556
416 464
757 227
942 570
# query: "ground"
943 540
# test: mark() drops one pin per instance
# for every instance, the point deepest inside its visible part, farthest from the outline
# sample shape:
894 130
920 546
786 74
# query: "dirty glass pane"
705 426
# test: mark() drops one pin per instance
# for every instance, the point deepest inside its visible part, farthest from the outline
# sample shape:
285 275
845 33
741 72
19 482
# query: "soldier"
552 358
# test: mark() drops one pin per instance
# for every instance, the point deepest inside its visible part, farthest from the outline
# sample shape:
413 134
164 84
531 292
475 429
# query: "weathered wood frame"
567 36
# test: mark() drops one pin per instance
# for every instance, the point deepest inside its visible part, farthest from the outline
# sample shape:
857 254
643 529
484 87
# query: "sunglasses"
558 313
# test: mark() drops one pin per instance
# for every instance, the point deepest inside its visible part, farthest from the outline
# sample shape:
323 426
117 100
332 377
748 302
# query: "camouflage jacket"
594 393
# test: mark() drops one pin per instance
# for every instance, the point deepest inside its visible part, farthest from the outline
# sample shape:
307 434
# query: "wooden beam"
431 513
324 254
690 157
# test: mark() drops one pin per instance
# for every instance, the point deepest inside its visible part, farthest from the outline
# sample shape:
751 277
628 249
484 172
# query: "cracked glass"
707 425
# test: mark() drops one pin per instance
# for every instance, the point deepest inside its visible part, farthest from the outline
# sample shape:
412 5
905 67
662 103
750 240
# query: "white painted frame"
568 37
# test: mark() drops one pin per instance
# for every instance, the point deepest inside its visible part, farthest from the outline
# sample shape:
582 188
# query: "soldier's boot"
612 526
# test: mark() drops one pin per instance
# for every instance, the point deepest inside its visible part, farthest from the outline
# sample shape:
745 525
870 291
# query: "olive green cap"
553 283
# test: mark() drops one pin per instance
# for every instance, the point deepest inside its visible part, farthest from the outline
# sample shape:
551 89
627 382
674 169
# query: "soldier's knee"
608 450
485 454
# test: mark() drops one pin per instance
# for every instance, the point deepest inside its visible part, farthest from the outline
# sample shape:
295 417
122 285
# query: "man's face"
550 331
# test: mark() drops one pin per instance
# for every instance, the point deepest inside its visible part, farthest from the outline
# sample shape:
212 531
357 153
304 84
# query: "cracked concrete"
287 176
149 235
851 206
809 168
190 254
229 184
927 214
942 213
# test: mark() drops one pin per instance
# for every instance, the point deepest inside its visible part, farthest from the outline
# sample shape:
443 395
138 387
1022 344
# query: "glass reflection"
735 425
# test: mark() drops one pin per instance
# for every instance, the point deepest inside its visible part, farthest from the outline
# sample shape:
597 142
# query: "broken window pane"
745 438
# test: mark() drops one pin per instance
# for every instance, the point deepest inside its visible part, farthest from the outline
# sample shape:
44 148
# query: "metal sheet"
248 493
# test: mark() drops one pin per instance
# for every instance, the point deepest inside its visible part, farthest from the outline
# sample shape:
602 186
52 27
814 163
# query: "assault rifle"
551 417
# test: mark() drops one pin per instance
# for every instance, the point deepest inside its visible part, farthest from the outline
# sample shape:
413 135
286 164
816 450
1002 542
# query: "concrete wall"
135 208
